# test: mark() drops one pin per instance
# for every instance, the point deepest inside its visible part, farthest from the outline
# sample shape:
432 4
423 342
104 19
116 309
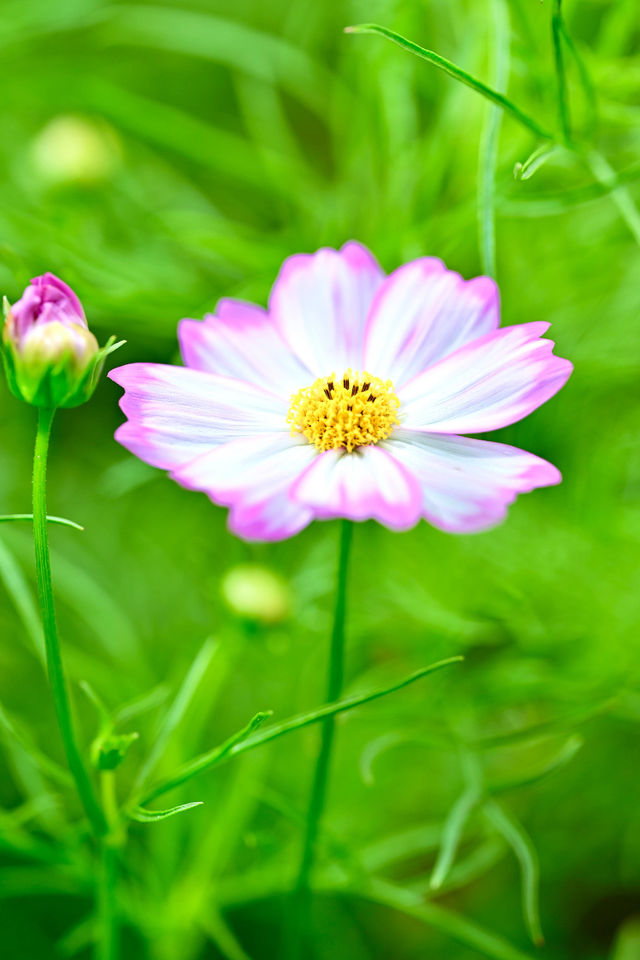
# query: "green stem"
561 78
315 810
107 944
52 644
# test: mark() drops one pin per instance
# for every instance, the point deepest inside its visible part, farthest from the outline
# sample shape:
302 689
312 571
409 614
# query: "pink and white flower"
347 397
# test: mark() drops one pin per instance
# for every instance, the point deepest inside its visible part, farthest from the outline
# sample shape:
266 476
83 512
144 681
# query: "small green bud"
256 593
108 750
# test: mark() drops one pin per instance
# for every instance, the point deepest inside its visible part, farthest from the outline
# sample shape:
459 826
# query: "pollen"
342 413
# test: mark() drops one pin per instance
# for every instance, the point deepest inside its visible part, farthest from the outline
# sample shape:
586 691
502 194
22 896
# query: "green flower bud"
256 593
51 358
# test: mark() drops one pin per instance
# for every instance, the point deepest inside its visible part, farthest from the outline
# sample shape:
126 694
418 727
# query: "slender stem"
488 159
561 79
321 776
52 644
107 945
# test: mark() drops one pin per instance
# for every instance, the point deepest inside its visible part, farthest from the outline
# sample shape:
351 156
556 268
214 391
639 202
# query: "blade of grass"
606 175
242 742
178 709
522 846
561 79
459 928
18 589
7 517
457 72
489 139
452 834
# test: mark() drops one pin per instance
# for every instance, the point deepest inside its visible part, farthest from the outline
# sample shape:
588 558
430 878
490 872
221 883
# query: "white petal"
176 413
320 303
467 484
365 484
422 313
241 341
490 383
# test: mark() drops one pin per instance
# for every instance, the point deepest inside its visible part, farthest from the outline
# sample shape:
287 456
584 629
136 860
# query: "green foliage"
160 156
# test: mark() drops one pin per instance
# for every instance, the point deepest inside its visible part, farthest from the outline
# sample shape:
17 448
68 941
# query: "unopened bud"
51 357
256 593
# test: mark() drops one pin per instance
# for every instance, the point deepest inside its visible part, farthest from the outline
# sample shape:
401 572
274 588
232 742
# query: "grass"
210 141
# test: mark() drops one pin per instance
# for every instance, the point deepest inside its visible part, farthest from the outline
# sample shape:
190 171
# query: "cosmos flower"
51 357
348 398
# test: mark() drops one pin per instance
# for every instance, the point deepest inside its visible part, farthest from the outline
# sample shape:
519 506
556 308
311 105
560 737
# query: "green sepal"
109 750
58 385
152 816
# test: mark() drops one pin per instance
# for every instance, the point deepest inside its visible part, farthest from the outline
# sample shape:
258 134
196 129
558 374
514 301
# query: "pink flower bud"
51 358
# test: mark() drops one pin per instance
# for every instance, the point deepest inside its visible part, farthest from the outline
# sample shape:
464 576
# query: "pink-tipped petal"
422 313
241 341
253 476
368 484
320 303
467 484
268 519
489 383
175 413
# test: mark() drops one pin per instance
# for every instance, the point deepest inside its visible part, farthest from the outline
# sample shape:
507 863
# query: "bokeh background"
160 156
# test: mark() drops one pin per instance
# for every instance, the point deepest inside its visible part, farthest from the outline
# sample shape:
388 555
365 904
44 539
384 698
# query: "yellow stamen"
344 412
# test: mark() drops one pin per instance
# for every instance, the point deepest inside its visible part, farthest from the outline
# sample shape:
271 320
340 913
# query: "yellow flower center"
344 412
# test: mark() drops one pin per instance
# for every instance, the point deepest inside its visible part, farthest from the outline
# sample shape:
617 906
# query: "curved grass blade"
153 816
215 756
242 741
457 73
459 928
535 160
606 175
522 846
452 834
220 933
178 709
566 753
8 517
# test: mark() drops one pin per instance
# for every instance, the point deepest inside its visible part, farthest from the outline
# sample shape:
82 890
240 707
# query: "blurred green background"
160 156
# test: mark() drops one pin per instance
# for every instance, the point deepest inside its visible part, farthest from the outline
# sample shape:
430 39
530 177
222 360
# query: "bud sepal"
51 358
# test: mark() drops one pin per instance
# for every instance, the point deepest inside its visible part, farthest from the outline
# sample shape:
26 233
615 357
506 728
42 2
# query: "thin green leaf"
522 846
11 730
561 79
457 72
488 154
18 589
8 517
142 704
397 846
152 816
564 756
221 934
535 160
178 709
459 928
606 175
588 88
241 742
452 834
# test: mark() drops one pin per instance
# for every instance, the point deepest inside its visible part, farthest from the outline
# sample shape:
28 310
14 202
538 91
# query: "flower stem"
301 908
107 945
52 644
